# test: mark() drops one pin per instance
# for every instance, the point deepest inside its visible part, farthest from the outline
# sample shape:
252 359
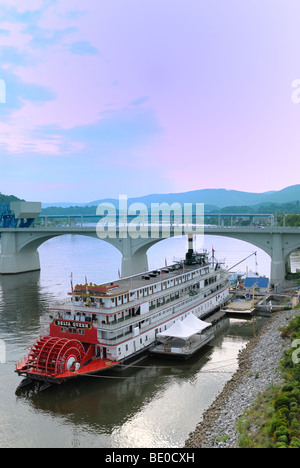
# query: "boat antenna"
71 280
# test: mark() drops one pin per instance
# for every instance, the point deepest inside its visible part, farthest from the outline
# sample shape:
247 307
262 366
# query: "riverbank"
257 371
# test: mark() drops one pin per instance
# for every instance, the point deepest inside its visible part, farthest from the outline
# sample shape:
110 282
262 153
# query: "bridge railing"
212 221
218 219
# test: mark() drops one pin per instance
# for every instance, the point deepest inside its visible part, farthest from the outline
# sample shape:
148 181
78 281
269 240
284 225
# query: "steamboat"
111 325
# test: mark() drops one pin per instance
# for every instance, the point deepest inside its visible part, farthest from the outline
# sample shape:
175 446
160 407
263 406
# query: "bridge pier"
134 265
134 257
15 260
278 263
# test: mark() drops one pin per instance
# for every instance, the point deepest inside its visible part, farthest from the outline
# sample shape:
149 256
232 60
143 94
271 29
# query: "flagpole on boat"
72 288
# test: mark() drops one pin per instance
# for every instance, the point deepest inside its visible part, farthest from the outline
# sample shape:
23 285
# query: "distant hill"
212 198
221 198
8 198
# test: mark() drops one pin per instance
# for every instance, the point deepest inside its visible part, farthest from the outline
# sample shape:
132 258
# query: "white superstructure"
129 313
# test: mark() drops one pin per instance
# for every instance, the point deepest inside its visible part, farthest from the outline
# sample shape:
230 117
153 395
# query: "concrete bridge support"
134 254
13 258
278 264
133 262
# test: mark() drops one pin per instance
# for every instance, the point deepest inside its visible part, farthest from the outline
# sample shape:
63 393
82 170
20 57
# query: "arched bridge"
19 245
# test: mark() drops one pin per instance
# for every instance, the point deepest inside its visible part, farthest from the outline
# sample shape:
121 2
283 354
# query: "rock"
257 371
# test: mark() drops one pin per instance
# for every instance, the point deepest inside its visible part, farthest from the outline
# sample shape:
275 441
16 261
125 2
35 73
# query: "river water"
155 404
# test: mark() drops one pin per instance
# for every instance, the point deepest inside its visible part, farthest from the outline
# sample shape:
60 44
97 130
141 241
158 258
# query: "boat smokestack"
191 243
190 253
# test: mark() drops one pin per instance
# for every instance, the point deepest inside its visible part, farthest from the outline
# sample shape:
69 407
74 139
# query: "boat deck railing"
121 328
155 321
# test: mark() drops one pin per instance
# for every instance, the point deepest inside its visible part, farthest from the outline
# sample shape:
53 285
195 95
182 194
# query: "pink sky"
138 97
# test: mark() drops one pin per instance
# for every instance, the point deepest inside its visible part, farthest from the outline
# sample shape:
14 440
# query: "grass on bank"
273 421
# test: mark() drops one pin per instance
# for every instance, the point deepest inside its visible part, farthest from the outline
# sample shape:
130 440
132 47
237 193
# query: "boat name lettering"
71 324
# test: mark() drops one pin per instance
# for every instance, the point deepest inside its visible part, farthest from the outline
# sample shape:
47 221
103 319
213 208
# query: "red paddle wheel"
51 356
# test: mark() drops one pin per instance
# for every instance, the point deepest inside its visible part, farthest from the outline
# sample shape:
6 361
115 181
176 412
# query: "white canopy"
193 322
178 330
185 328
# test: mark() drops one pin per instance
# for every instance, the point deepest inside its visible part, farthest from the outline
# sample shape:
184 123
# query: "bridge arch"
19 246
19 249
256 239
277 242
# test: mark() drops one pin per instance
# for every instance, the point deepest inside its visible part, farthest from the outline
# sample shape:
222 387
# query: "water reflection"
22 303
141 407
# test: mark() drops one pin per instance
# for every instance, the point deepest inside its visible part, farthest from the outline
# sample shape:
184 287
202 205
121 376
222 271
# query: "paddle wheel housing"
51 356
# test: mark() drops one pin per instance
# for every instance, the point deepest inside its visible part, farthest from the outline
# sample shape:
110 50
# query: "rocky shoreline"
257 371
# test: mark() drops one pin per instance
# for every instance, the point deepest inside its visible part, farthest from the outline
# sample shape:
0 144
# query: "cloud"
58 80
83 48
45 38
127 126
11 56
126 85
101 156
139 101
24 6
18 92
114 134
4 32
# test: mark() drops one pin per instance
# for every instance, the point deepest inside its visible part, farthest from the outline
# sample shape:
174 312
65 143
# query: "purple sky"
109 97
